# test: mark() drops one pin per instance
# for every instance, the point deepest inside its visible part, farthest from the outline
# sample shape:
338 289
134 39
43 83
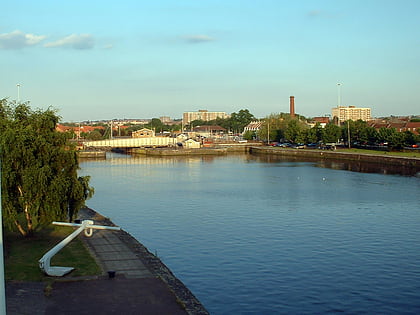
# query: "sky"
94 60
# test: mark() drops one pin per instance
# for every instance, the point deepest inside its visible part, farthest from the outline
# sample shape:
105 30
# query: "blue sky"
143 59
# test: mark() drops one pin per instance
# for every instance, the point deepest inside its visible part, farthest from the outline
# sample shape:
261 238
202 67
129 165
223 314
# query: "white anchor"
87 226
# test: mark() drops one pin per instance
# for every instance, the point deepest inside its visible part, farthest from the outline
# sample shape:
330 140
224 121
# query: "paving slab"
142 283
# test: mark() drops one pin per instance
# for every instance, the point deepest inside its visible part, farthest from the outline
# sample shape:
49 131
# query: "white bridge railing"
88 227
132 142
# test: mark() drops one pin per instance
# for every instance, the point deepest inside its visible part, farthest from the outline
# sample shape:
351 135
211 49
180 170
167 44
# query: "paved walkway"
113 255
142 284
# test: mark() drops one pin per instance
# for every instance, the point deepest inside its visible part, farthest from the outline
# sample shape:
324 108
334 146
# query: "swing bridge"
132 142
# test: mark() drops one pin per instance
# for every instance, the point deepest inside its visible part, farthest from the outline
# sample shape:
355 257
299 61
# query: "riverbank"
153 264
91 154
133 281
410 162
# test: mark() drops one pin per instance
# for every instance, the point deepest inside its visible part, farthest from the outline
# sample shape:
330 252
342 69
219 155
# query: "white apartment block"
352 112
205 115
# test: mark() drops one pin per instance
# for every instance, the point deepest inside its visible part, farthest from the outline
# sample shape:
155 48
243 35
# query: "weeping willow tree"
39 178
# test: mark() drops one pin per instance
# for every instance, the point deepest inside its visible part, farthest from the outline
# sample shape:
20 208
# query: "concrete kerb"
146 264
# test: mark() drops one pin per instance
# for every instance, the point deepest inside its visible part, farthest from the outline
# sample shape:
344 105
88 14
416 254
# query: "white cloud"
19 40
75 41
319 14
197 39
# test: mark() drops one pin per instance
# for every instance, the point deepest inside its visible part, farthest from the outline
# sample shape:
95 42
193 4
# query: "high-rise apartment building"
202 114
352 112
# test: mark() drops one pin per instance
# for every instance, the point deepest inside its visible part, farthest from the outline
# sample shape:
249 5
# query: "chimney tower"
292 107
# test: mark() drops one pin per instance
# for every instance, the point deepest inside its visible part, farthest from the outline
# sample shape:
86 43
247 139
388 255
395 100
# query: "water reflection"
353 166
257 234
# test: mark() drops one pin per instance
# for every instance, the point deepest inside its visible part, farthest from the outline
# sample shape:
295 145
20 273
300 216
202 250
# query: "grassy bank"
414 154
22 255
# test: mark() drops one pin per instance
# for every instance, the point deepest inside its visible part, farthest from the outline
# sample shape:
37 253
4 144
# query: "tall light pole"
339 93
348 118
18 93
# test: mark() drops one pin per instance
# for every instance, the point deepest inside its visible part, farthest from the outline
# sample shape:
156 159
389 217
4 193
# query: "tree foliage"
39 170
332 133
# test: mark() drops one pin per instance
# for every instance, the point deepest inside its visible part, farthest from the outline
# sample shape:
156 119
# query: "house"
191 144
399 126
208 131
143 133
253 126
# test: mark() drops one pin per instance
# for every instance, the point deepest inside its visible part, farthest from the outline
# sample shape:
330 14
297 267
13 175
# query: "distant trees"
39 170
331 133
282 128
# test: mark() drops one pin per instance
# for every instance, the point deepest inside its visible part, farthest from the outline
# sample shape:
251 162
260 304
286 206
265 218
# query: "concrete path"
142 284
113 255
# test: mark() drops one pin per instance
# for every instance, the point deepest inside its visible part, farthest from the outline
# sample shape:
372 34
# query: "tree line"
282 128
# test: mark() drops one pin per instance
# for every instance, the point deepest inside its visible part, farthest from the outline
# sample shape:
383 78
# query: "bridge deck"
132 142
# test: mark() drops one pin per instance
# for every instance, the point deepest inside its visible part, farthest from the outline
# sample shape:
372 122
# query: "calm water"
259 235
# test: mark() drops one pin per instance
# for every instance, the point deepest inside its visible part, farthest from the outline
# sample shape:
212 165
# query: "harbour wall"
347 156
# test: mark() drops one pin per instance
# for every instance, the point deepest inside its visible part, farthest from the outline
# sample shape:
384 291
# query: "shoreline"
342 156
158 269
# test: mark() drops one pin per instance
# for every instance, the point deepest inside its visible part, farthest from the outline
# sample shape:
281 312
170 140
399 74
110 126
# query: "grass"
22 255
382 153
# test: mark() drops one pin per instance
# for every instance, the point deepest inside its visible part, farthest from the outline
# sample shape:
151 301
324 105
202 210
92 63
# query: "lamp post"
18 92
348 118
339 93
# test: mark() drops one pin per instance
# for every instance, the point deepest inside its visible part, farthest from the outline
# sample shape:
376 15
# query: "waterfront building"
202 114
344 113
207 131
143 133
254 126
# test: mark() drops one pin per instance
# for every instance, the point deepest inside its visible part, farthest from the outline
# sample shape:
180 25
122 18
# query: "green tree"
238 121
410 138
39 170
295 131
156 124
93 135
314 134
386 134
249 135
273 127
332 133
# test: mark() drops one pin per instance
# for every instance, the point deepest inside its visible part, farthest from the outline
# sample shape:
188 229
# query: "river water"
263 235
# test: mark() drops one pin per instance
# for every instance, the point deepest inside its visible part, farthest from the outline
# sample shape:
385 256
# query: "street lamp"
339 94
348 118
18 93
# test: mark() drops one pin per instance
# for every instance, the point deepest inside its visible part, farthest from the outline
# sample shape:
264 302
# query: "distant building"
323 121
165 119
351 113
191 144
202 114
253 126
209 131
398 125
143 133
